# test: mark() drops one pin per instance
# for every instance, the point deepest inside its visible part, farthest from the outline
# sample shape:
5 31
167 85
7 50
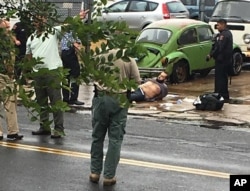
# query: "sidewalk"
170 108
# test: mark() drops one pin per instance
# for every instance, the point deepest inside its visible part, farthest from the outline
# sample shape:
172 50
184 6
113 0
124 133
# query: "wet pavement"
178 105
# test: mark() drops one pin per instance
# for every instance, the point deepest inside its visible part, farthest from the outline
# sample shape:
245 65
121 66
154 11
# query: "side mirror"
105 10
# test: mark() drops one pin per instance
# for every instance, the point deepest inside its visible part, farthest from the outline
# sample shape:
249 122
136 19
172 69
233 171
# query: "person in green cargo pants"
109 117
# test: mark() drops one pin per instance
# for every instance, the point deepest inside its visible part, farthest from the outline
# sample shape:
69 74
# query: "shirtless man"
151 90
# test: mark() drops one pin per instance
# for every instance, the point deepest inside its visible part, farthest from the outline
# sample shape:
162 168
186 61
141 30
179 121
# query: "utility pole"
202 10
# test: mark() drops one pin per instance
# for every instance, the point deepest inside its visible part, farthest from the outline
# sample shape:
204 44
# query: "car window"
152 6
176 7
159 36
209 2
190 2
204 33
188 37
118 7
137 6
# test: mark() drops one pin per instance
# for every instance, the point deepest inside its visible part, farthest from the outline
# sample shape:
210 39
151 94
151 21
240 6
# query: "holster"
95 91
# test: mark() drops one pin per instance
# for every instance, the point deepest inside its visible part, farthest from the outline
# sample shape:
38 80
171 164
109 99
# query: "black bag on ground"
209 102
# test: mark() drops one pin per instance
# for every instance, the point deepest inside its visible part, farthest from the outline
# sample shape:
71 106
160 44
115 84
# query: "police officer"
21 36
222 52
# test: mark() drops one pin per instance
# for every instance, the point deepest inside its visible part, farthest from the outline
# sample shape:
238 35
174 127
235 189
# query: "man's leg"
66 92
54 94
42 100
11 115
116 133
100 122
221 80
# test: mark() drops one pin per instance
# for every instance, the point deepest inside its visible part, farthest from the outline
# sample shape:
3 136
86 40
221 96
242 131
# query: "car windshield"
159 36
237 11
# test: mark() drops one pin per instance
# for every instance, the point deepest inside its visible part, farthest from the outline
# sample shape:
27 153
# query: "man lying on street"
151 90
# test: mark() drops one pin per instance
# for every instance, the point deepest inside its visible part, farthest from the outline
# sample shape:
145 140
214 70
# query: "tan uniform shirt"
127 70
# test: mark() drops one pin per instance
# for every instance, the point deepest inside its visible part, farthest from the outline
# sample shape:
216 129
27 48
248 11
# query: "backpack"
209 102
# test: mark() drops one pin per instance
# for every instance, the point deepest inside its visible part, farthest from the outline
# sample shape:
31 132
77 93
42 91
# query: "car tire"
237 64
180 72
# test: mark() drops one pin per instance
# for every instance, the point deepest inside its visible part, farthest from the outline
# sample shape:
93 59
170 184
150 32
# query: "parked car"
140 13
236 12
179 47
193 7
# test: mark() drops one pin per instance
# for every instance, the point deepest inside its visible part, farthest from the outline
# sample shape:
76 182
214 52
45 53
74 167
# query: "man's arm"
135 74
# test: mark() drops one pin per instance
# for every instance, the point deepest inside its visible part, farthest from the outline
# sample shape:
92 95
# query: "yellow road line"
122 160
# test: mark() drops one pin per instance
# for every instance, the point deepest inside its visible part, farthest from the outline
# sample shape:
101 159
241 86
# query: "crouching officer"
109 116
222 52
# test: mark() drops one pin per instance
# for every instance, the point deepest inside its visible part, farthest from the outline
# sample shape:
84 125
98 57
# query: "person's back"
109 116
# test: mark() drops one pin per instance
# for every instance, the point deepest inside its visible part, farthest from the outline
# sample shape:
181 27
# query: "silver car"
140 13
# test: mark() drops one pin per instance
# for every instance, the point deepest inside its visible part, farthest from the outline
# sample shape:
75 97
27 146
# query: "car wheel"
180 72
204 73
237 64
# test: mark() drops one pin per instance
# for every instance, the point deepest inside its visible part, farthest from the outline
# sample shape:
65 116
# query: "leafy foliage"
108 36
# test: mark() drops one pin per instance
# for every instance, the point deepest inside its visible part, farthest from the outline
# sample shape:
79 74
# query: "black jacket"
222 49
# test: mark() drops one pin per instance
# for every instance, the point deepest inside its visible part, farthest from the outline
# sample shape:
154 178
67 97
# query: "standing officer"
20 32
109 116
222 52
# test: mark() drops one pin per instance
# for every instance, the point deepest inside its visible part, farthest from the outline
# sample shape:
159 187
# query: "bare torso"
150 89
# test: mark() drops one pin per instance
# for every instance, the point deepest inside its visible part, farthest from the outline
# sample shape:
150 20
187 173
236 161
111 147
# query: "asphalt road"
157 155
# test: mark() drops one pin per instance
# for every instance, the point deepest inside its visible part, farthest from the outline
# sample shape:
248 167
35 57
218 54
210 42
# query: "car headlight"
164 61
246 38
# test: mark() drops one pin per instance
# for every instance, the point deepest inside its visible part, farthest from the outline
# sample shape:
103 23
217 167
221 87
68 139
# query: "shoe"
94 177
76 102
57 134
14 137
1 137
41 132
109 182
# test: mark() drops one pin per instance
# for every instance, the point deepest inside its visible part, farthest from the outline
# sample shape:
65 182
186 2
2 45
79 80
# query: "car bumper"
150 72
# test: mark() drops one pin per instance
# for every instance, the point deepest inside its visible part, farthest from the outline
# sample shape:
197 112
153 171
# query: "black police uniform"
21 34
222 52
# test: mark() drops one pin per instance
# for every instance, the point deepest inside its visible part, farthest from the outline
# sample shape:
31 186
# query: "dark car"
193 7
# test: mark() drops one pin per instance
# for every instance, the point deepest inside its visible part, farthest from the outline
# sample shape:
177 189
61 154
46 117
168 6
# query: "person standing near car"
7 95
45 45
109 117
21 35
69 48
222 52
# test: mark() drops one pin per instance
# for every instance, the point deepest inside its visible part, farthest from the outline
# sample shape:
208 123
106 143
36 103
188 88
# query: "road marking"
122 160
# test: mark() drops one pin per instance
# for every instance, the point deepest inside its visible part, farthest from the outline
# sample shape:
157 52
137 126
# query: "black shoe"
1 137
41 132
57 134
76 102
14 137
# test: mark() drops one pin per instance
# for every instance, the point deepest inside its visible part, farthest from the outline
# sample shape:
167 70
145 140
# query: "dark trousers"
107 118
70 61
48 87
137 95
221 79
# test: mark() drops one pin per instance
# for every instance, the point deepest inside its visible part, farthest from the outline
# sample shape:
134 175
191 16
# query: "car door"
114 12
205 34
136 14
190 47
